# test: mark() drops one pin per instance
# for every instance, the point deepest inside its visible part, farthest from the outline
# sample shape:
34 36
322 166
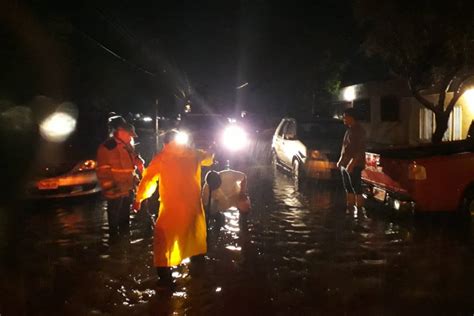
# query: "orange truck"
426 178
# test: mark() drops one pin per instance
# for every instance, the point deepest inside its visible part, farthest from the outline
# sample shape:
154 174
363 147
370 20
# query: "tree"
428 43
326 81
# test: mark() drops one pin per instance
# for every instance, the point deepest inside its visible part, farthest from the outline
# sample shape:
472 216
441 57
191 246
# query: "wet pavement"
298 252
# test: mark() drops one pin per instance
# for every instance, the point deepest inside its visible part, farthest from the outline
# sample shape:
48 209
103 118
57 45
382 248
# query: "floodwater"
297 253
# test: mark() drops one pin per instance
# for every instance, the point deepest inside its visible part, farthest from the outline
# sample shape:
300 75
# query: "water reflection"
297 252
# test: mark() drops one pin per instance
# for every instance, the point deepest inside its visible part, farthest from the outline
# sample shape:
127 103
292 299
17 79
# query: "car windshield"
321 130
199 122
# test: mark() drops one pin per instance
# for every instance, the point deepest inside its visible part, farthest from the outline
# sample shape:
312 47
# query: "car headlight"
86 165
234 138
182 138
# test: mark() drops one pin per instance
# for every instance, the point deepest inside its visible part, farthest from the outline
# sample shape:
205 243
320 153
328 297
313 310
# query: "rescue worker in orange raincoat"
180 230
117 175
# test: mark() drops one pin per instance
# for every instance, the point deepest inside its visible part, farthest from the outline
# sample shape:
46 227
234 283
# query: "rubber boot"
350 201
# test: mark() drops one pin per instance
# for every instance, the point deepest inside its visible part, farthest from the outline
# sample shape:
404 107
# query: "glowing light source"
57 127
234 138
469 97
349 94
182 138
86 165
147 119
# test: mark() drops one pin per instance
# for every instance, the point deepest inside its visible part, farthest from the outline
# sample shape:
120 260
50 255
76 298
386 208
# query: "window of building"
389 108
363 107
428 125
454 131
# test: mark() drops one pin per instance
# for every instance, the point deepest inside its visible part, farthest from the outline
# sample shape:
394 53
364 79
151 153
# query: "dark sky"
210 47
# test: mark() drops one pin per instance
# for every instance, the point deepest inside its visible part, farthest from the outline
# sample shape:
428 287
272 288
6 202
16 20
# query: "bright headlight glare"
234 138
182 138
58 126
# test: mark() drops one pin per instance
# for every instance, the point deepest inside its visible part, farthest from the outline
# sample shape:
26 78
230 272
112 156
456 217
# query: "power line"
125 31
115 54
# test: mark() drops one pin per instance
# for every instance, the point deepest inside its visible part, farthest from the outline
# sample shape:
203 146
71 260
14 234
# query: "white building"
392 116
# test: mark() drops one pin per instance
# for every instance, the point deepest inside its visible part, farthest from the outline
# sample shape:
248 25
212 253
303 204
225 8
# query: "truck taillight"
416 172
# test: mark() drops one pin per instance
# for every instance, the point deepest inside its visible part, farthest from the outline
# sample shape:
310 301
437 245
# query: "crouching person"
231 192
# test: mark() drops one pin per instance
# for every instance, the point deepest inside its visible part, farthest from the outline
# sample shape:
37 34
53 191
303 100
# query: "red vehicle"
427 178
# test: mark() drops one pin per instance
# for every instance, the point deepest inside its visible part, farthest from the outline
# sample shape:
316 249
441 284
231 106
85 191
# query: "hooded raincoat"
180 230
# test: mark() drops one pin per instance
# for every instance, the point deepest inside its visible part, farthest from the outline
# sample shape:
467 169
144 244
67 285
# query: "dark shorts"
352 181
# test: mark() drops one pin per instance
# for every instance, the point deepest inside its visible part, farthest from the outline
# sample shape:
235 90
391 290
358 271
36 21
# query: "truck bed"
427 150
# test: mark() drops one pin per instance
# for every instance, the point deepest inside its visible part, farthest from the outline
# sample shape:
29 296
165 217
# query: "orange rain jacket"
180 230
116 168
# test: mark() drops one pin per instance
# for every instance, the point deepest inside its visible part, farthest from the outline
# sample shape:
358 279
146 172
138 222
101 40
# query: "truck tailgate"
389 174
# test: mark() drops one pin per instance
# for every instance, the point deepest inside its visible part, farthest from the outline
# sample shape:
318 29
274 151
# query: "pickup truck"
426 178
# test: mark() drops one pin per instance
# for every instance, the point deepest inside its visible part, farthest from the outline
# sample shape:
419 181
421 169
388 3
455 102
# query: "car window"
290 130
282 129
321 130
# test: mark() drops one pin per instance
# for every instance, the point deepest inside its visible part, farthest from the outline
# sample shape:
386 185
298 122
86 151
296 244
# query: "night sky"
125 54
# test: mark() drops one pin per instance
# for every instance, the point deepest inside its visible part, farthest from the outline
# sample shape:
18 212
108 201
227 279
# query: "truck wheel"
467 208
298 174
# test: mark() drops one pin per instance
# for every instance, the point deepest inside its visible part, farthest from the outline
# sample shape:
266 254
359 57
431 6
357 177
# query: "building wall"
412 115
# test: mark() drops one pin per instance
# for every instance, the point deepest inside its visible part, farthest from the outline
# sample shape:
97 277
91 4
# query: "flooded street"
297 252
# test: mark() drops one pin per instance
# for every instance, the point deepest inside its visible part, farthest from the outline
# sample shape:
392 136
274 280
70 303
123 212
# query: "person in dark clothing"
352 159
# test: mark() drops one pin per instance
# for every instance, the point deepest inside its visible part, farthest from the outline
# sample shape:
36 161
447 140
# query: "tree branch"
459 92
446 85
420 98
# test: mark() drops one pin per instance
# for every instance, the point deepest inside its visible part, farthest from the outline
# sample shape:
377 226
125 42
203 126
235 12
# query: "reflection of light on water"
176 274
322 199
233 248
291 201
232 228
186 261
180 294
71 222
136 241
392 229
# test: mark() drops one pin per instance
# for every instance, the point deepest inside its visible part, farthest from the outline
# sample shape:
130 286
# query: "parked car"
308 148
65 169
426 178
